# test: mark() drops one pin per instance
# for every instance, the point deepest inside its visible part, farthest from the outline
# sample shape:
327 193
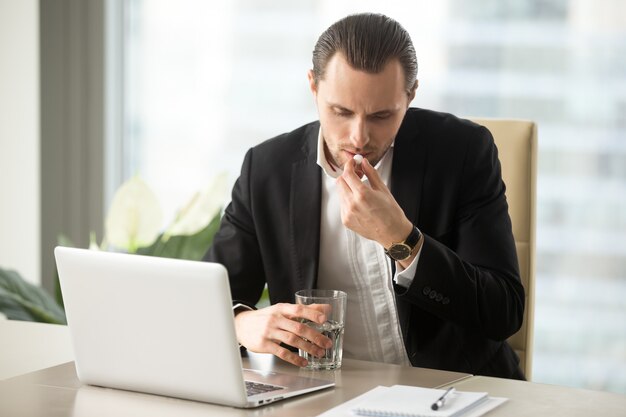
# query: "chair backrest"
517 149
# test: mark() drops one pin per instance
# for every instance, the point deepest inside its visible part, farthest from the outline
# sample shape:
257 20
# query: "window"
204 81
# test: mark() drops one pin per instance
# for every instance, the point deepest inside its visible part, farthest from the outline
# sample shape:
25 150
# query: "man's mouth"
352 153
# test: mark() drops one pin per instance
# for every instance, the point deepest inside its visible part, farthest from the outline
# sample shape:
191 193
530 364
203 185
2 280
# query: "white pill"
358 159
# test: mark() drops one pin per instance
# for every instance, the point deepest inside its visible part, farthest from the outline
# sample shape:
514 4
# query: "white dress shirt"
359 266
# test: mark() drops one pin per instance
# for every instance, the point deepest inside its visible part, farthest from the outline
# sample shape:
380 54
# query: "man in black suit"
418 233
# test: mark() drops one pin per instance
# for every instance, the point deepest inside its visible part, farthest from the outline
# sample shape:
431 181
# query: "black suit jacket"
466 297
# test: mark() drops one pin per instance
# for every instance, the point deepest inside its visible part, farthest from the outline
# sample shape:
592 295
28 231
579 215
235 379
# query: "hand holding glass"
333 303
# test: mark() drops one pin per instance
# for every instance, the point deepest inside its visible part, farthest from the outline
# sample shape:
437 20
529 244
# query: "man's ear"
412 93
312 84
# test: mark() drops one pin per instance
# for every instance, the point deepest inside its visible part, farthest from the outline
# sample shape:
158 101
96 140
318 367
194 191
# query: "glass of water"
334 303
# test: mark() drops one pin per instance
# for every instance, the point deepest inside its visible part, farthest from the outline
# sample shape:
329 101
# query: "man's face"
360 113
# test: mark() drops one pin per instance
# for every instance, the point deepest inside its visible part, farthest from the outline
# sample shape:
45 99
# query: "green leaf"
192 247
63 240
21 300
264 301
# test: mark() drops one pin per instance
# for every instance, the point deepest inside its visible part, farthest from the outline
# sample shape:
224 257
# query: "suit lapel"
304 212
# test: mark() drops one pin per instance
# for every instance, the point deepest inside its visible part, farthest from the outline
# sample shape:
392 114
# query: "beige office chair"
517 149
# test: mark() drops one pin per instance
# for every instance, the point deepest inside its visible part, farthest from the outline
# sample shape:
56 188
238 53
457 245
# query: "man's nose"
359 136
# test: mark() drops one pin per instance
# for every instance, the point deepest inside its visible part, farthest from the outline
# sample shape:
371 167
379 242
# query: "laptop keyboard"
254 388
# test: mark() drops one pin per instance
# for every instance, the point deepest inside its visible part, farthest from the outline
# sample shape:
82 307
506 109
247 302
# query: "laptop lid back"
156 325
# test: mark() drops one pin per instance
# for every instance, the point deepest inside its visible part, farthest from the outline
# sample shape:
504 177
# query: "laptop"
162 326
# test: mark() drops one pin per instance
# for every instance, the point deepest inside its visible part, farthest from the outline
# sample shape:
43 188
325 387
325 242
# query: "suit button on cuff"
446 301
432 294
439 297
426 290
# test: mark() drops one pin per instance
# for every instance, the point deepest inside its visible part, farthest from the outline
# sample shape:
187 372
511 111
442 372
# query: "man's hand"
263 330
370 210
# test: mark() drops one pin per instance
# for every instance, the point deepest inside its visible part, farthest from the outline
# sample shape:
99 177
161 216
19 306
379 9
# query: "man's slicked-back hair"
368 41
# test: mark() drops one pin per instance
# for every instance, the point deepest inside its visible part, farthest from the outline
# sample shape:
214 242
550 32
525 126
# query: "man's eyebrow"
346 110
340 107
382 112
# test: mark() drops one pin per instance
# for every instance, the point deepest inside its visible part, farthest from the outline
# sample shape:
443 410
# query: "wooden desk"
56 392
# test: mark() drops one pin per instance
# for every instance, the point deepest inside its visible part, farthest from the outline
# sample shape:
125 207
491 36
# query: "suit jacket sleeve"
472 279
235 244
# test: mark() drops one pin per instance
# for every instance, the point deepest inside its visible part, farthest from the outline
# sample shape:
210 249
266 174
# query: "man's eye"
382 116
342 114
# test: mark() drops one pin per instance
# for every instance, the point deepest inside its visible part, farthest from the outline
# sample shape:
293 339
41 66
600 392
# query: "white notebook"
407 401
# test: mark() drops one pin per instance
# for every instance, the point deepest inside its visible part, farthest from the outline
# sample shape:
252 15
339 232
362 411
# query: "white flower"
201 209
135 217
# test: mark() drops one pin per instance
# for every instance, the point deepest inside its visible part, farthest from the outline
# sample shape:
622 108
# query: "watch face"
399 251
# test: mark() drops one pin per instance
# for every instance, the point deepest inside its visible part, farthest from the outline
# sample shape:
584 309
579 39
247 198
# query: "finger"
343 186
372 175
349 203
346 196
302 311
358 169
287 355
351 178
296 341
322 308
303 331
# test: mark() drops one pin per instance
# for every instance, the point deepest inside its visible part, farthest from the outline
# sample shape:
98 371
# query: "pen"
442 400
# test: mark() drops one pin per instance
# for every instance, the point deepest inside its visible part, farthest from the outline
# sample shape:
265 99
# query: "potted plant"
133 225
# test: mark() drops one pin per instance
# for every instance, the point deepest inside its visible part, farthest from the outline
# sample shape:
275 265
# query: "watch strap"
410 242
413 238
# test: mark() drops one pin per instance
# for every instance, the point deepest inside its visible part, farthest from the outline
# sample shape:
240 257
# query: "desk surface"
532 399
56 392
